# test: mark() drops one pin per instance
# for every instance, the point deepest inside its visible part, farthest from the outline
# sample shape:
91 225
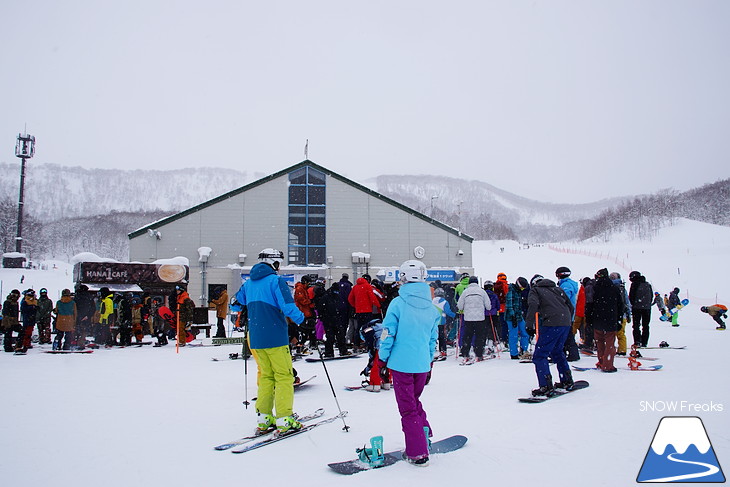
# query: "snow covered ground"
145 416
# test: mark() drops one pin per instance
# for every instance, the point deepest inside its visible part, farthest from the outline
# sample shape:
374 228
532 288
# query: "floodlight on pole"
24 149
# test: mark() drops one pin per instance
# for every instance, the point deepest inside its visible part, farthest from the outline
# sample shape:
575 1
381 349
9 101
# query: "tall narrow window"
307 217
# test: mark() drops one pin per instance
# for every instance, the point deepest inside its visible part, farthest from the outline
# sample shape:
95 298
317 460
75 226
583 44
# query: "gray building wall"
244 223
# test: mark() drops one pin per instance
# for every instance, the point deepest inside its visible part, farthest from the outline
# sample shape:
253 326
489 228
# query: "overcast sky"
553 100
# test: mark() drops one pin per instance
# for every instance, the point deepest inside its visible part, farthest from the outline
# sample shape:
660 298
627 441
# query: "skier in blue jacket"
407 347
269 302
571 289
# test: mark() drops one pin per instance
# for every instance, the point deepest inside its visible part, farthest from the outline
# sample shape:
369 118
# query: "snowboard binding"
372 456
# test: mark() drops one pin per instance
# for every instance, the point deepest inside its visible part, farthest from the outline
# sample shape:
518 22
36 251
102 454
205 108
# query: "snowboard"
591 354
302 382
341 357
68 351
351 467
670 312
170 318
578 385
663 348
649 368
297 385
357 388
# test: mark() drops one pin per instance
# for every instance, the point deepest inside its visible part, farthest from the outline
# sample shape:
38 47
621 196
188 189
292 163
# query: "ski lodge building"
324 223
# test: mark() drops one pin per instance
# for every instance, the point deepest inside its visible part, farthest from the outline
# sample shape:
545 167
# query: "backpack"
721 306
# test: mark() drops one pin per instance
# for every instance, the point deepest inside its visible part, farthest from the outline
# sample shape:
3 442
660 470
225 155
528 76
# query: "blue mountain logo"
681 452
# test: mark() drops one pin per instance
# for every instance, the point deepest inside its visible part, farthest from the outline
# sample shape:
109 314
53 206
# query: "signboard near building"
149 277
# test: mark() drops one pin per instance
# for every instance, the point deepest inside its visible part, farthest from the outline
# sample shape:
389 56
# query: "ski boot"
288 424
372 456
266 423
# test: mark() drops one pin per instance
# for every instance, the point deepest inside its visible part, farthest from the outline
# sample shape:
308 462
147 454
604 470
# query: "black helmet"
703 309
562 272
522 282
535 279
473 279
633 275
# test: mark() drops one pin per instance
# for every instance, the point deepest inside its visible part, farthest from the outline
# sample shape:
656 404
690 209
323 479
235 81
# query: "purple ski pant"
408 389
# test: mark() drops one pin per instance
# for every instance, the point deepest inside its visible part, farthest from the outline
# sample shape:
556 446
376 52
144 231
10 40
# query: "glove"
384 374
530 329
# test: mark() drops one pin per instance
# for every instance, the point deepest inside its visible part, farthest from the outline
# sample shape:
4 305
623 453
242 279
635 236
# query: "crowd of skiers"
82 318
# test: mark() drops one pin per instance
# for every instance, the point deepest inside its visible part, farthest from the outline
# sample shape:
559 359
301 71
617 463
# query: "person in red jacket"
363 299
580 313
306 306
501 288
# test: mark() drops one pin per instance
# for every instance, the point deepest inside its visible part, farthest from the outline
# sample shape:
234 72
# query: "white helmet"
272 257
413 271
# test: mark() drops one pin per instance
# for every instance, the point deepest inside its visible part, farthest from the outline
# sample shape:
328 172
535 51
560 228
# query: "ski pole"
321 358
245 365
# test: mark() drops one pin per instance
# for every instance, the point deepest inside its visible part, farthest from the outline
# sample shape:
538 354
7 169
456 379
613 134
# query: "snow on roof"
14 255
179 260
89 257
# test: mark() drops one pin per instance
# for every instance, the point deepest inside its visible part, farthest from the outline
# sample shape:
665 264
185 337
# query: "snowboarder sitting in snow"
717 311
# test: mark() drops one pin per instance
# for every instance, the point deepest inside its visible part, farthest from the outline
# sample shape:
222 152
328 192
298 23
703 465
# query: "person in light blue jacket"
407 347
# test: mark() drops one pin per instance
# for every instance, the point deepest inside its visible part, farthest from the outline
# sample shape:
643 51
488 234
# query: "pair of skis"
248 443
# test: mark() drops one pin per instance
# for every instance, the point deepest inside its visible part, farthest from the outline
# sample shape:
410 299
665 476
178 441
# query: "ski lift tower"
25 149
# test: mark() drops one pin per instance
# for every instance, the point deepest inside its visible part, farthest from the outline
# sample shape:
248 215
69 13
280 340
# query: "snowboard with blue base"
649 368
579 384
670 312
351 467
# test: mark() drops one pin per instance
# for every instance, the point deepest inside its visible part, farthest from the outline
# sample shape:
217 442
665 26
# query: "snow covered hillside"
145 416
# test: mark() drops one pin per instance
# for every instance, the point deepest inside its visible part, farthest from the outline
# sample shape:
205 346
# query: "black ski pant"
477 331
361 319
641 319
220 329
442 338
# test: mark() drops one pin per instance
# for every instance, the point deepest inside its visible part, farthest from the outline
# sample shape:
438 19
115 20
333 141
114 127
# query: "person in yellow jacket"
106 313
221 311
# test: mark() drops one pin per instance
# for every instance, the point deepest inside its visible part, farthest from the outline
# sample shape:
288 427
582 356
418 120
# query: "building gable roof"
159 223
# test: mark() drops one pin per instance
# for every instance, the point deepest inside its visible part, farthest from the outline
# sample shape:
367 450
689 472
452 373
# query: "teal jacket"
410 330
269 301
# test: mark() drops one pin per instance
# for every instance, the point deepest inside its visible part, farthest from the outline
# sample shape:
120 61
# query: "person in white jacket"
474 303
